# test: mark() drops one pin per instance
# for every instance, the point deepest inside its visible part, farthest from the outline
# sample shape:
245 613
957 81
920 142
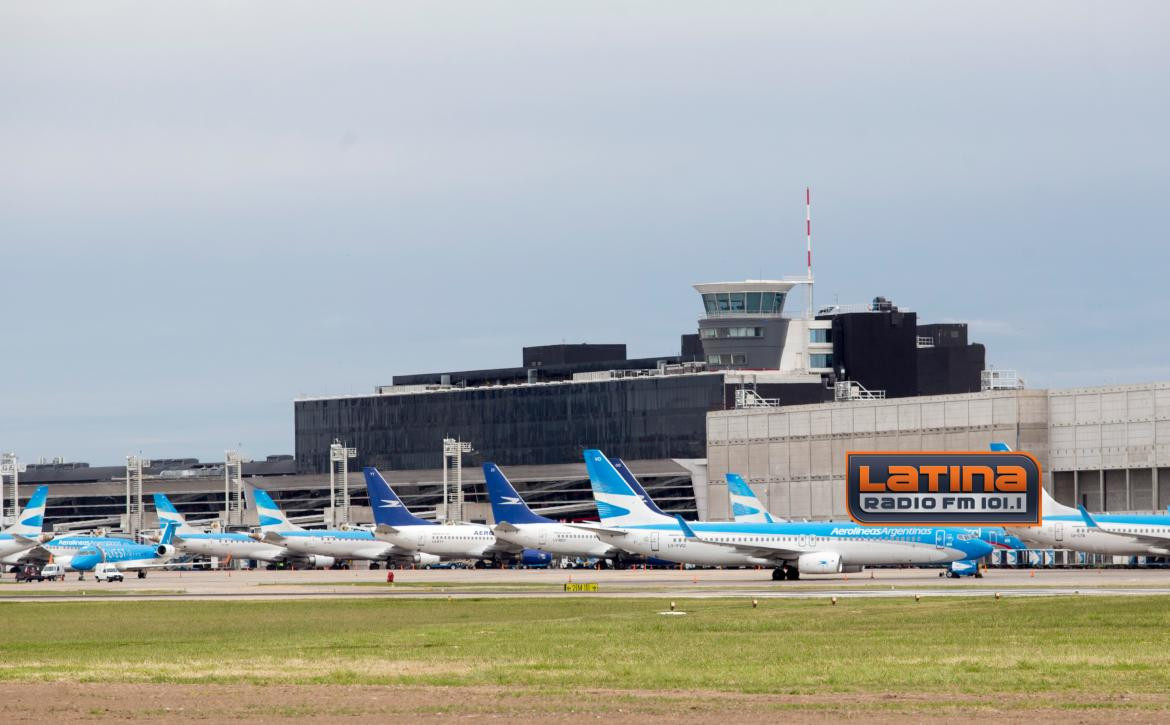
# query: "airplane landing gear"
777 574
141 573
793 573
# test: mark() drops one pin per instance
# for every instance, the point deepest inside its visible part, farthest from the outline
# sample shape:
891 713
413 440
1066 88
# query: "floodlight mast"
134 515
10 470
339 456
233 487
452 507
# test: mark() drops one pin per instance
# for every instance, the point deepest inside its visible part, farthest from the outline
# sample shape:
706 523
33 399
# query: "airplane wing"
600 529
505 527
385 529
761 549
271 537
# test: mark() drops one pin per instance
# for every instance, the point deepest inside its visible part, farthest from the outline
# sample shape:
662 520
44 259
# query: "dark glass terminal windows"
820 361
820 335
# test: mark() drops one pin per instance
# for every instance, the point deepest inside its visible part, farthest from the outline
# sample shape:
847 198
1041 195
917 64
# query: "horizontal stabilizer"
1088 519
600 529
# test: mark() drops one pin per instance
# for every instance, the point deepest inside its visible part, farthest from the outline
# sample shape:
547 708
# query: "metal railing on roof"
846 390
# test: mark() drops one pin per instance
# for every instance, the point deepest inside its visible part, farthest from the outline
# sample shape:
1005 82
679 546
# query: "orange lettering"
969 474
932 474
867 486
1012 479
903 479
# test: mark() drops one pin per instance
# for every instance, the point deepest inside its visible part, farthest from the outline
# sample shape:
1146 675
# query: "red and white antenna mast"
808 237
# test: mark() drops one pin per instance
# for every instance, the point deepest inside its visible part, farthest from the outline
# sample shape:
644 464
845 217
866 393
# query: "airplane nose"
85 563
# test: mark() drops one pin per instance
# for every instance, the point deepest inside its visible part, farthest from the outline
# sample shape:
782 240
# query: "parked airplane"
746 507
339 544
230 544
628 475
1065 527
25 534
414 536
127 555
791 548
517 525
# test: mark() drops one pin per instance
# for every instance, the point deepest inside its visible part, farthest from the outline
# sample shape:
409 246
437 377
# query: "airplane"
1065 527
516 524
792 549
628 475
411 535
127 555
230 544
25 534
339 544
746 507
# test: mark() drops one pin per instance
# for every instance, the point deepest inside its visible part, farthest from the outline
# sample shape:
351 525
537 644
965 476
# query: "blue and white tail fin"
746 507
1049 506
628 475
389 510
168 535
617 504
31 520
271 517
506 502
167 513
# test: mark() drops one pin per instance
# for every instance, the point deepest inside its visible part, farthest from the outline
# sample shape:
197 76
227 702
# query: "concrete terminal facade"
1106 447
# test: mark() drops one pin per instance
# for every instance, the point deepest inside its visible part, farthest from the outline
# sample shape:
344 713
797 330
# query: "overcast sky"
208 209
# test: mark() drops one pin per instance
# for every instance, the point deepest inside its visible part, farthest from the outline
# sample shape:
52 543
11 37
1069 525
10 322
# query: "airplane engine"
425 559
819 562
535 557
317 561
164 550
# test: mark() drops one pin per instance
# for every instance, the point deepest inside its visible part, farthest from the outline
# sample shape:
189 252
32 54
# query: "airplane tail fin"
628 475
506 502
1049 505
389 510
271 517
167 512
31 520
617 504
168 533
746 507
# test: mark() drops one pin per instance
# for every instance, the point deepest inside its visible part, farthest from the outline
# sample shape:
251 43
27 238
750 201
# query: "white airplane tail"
271 517
617 503
746 507
31 520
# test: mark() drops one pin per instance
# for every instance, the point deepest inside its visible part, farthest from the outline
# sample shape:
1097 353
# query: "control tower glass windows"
753 302
737 302
709 333
724 303
710 304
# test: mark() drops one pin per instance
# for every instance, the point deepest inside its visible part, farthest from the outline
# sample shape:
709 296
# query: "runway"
488 583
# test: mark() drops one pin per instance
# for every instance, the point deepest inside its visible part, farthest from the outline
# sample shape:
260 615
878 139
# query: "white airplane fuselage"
557 539
449 541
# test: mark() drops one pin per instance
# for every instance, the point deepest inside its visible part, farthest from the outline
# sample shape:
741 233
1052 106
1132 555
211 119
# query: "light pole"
453 450
339 457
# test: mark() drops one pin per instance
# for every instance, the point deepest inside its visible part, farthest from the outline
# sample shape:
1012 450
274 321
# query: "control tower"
744 327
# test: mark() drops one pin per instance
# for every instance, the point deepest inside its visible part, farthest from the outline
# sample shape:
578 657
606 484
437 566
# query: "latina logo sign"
973 489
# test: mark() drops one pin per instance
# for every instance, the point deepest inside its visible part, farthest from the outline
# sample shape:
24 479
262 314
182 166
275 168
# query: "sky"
210 209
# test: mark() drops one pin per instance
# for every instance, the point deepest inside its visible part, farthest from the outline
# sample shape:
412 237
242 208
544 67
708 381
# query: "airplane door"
422 539
938 538
654 541
1058 531
542 537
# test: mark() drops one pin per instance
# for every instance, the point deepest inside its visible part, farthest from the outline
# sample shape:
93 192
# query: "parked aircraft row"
631 529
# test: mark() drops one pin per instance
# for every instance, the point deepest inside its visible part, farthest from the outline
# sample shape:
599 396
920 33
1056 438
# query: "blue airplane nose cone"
86 562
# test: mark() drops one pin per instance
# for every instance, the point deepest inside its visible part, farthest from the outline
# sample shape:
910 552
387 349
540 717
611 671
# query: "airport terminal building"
778 397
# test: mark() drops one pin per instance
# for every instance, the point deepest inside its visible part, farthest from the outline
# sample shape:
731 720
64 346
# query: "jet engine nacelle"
317 561
164 550
423 559
819 562
535 557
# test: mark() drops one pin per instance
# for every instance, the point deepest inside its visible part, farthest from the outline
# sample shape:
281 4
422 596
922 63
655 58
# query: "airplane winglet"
1088 519
682 524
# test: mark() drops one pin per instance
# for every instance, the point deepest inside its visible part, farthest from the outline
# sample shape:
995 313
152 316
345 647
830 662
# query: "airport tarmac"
262 584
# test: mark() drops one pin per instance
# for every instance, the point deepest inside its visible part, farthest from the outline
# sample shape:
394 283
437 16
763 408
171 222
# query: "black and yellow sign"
580 586
974 489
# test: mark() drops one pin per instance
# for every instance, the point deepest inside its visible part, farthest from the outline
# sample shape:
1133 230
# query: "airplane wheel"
777 575
793 573
141 573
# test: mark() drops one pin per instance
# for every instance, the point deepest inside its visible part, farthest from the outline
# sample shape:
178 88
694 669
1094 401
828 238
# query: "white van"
53 571
107 572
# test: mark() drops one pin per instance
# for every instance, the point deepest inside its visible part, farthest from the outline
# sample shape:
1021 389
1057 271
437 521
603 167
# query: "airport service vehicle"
231 544
337 544
25 534
516 524
127 555
107 572
28 573
791 548
408 533
53 571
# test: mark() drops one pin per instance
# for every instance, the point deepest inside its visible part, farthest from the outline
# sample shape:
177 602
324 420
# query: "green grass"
1092 646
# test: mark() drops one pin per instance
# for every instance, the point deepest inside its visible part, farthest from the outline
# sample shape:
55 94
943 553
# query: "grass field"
1084 646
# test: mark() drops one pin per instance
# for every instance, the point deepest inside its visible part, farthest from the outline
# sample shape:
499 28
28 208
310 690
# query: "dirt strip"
71 702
